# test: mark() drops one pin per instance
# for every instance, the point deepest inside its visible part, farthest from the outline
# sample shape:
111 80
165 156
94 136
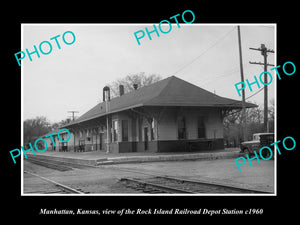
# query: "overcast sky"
72 78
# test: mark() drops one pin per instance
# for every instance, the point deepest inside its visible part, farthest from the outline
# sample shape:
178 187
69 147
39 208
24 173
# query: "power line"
227 73
233 71
255 93
265 26
205 51
238 101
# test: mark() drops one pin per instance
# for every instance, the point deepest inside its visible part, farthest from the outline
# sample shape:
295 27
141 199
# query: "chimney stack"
135 86
106 93
121 89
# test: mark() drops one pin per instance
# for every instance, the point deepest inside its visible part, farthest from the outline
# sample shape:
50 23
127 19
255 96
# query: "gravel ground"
34 185
92 180
103 154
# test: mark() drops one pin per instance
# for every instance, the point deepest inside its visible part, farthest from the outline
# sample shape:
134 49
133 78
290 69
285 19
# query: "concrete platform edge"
140 159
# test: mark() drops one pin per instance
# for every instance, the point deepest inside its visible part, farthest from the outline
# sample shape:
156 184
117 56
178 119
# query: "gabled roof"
171 91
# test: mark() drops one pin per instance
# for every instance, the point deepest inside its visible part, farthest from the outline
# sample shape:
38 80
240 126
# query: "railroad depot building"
170 115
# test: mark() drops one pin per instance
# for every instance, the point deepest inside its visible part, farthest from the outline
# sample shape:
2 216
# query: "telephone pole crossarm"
73 114
257 49
260 63
262 49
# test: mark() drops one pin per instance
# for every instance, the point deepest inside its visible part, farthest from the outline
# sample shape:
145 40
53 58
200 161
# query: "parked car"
259 140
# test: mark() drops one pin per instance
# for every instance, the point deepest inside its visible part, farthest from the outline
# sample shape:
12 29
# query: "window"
81 142
140 129
181 128
124 130
201 127
115 130
152 129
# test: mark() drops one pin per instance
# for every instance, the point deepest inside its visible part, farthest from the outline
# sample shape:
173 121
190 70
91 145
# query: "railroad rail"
57 165
166 184
150 187
62 187
200 186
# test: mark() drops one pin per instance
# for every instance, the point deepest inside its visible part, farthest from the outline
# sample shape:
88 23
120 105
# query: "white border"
22 117
143 24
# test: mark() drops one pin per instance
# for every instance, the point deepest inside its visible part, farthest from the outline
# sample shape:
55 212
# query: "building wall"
214 125
91 137
136 134
59 145
165 132
50 144
168 140
162 138
168 126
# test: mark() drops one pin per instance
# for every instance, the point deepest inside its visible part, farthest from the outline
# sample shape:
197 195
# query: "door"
101 141
146 138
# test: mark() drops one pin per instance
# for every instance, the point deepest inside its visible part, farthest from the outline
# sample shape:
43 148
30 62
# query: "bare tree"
271 112
61 123
141 79
33 128
254 116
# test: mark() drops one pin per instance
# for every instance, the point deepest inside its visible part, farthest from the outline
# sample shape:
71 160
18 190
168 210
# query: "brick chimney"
106 93
121 89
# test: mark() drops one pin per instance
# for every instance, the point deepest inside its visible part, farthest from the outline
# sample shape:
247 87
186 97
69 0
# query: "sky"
72 78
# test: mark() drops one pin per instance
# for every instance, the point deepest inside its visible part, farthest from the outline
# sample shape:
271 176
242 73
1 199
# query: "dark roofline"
250 105
104 114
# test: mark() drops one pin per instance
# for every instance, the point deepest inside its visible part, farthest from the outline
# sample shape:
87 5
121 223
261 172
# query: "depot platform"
98 158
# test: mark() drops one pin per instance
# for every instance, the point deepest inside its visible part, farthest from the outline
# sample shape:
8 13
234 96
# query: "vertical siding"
214 125
167 126
192 123
131 134
165 130
70 143
168 129
58 143
49 142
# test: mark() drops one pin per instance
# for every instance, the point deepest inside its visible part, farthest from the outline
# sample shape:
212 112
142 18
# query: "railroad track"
57 165
166 184
161 183
150 187
60 188
154 183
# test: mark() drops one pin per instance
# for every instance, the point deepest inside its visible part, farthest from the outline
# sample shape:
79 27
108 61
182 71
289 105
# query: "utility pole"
264 52
73 114
243 91
106 98
73 120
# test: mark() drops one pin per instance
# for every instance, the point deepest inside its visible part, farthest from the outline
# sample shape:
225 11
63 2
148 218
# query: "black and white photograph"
149 109
138 112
